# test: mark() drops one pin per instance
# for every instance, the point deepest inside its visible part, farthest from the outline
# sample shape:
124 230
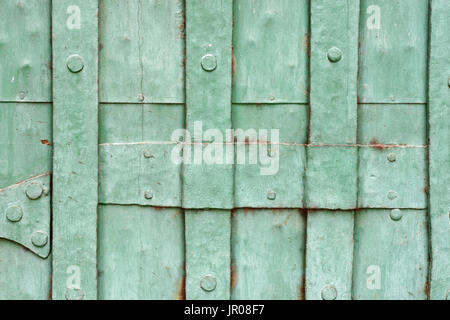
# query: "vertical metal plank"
208 99
439 136
75 136
208 259
334 61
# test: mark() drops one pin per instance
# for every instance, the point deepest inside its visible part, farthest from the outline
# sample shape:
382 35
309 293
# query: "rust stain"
375 144
100 46
45 142
233 277
182 27
248 210
307 44
425 190
301 289
427 288
233 63
181 292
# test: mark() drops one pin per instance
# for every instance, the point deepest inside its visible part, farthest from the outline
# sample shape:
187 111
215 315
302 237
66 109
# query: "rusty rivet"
271 195
75 63
396 214
329 293
392 195
14 213
208 283
148 195
209 62
34 190
74 294
334 54
148 154
392 157
39 238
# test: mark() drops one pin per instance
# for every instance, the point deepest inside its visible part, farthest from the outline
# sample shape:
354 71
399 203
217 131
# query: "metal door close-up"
225 149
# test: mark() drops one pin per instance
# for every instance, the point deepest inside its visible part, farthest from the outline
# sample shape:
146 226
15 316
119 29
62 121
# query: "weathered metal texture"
75 158
268 254
208 260
329 255
25 209
140 253
439 135
146 37
208 99
271 49
25 44
391 255
135 154
393 59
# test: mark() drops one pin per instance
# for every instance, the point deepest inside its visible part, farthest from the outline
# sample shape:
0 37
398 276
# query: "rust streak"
181 292
45 142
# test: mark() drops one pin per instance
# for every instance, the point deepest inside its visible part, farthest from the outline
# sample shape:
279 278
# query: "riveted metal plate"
392 177
275 184
397 266
130 173
26 220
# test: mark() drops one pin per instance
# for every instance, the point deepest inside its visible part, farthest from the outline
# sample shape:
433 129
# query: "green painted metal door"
246 149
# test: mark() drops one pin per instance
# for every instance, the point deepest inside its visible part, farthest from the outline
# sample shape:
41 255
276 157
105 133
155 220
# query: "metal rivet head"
392 195
75 63
34 191
208 283
141 97
209 62
39 238
329 293
22 95
74 294
148 154
14 213
271 195
148 195
392 157
334 54
396 214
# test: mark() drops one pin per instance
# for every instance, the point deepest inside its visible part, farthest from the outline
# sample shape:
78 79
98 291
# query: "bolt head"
34 190
148 154
392 157
334 54
39 238
329 293
271 195
148 195
396 214
209 62
75 63
14 213
392 195
208 283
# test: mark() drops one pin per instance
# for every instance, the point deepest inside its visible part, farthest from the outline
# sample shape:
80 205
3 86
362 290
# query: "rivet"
329 293
396 214
271 195
271 98
22 95
208 283
209 62
392 157
34 191
14 213
39 238
75 63
392 195
74 294
334 54
148 195
148 154
141 97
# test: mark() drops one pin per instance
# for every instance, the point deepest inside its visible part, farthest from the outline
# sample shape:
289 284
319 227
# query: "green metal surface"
75 157
349 199
439 154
